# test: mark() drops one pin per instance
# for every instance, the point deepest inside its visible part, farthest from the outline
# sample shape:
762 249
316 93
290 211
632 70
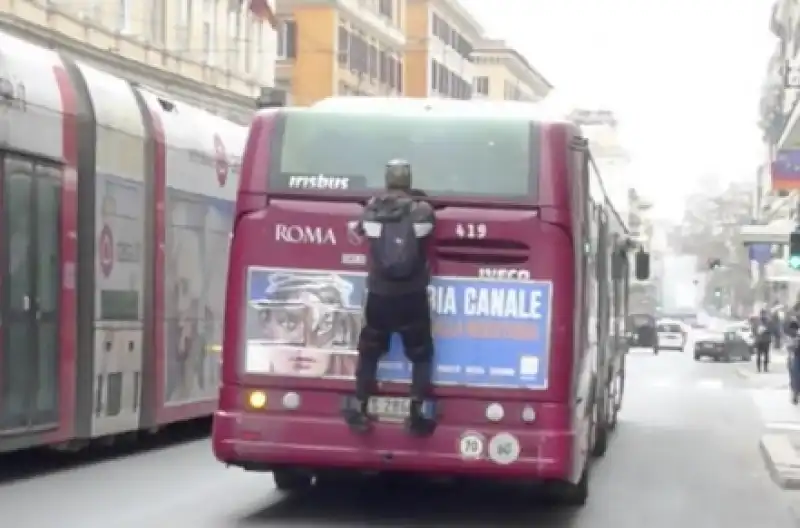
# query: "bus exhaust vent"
488 252
485 244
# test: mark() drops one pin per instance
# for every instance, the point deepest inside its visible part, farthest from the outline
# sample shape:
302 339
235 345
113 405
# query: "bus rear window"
449 155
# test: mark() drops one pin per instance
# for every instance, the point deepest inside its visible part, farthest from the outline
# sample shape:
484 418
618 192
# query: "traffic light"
714 263
794 249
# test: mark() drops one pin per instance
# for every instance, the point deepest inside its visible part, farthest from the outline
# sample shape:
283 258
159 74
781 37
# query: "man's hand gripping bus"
531 266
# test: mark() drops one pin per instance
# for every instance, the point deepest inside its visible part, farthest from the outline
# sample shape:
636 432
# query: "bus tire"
600 438
289 479
615 395
621 395
601 415
573 495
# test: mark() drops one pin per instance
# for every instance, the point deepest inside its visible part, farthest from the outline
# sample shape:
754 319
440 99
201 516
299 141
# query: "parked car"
672 335
727 345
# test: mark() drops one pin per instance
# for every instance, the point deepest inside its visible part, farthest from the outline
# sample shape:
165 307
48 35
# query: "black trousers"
762 355
409 316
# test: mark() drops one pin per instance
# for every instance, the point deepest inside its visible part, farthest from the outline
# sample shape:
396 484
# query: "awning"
776 232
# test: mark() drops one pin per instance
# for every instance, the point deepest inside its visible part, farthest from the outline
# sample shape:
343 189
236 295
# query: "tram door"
29 293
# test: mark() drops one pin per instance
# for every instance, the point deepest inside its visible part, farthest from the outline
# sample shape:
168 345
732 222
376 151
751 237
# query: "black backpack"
395 253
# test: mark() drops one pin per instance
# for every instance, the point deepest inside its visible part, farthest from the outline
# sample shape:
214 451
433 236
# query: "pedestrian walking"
763 334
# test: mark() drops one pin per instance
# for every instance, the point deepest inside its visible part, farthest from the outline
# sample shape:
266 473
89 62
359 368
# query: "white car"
672 335
744 330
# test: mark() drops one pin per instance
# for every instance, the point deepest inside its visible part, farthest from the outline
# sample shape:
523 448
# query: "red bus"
531 265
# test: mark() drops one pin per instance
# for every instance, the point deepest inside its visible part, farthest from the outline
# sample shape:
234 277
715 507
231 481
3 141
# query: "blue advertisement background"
459 359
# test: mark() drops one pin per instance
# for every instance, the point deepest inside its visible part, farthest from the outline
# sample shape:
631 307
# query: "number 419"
471 231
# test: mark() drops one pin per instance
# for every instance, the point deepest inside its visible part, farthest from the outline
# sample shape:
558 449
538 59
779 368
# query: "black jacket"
424 217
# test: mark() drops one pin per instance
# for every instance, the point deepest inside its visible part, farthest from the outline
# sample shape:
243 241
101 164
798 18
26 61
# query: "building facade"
775 209
341 47
441 36
217 54
504 74
601 128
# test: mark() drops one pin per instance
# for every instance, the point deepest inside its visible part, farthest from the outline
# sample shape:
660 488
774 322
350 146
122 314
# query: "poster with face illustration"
487 332
307 324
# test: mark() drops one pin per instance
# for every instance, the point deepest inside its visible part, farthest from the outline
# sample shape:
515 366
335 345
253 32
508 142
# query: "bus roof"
430 107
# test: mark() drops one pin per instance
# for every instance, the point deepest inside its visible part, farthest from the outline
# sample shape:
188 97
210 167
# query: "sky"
684 78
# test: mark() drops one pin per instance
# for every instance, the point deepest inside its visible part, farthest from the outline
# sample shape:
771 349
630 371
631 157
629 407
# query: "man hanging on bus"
396 224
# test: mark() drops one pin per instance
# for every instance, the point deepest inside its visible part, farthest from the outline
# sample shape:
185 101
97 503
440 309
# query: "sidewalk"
781 452
780 444
776 378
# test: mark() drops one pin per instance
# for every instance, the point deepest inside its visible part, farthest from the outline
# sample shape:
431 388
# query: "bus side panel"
568 190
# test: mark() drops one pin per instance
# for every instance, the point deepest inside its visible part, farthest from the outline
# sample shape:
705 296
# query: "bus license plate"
389 409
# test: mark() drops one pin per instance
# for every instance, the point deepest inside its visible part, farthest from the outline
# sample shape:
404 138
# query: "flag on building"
785 170
261 9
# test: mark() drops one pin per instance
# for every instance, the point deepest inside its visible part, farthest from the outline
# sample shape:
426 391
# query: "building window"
207 44
158 22
185 13
287 39
383 73
482 85
124 16
183 35
249 41
359 61
450 37
444 80
400 66
448 83
209 32
373 61
366 59
260 50
392 61
343 47
386 8
234 37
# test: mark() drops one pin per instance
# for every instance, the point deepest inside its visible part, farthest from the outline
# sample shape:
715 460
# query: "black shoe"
795 398
358 421
419 425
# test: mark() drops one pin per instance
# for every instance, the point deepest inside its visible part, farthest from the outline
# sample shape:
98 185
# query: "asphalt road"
685 454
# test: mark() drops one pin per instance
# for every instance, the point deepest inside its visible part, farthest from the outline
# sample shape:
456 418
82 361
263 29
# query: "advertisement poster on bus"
487 332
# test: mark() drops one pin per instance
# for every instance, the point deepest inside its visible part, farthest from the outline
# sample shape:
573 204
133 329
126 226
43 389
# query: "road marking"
663 383
700 384
710 383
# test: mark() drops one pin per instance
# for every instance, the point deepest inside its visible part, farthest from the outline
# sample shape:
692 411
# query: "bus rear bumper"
262 442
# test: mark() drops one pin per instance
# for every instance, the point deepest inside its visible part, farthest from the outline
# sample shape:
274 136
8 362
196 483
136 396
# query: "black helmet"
398 174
